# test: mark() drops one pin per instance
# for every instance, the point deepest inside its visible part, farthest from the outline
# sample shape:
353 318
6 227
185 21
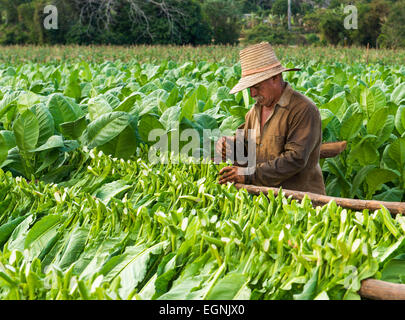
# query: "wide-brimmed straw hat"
258 62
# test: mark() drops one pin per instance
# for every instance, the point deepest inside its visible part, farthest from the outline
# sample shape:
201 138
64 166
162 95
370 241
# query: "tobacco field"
85 215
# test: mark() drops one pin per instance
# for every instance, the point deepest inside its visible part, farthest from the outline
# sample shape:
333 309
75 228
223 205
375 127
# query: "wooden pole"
367 53
382 290
320 200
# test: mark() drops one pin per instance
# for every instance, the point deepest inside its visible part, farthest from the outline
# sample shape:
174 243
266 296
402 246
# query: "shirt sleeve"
303 136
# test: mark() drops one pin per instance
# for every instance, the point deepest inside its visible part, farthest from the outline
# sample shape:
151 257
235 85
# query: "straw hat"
258 62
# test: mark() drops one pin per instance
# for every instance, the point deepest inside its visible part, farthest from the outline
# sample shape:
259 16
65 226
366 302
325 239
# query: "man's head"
258 63
267 92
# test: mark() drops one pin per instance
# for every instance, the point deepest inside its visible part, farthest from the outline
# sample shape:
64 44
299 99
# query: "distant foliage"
199 22
126 22
393 30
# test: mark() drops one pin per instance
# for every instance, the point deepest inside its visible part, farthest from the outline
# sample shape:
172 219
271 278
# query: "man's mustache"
259 99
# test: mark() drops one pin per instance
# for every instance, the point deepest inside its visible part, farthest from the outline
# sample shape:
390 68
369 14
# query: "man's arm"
303 136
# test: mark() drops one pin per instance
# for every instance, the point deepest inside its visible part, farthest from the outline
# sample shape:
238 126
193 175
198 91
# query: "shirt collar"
285 98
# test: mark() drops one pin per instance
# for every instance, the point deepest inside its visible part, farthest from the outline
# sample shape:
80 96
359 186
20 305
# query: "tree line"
380 23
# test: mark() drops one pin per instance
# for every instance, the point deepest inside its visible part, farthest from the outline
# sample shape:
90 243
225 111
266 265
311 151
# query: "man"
288 128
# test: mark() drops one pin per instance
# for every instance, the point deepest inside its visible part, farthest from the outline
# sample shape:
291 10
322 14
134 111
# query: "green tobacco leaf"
52 143
351 125
110 190
9 138
112 99
63 109
190 279
309 291
105 128
7 229
365 152
231 287
400 119
394 270
398 94
74 247
49 158
189 108
165 274
385 132
3 149
45 122
17 238
118 262
238 111
171 118
392 194
98 106
376 177
372 100
14 160
26 100
326 117
128 103
26 131
146 124
205 121
173 97
181 290
9 100
96 255
378 117
73 88
136 269
70 145
122 146
396 151
230 124
359 178
392 251
41 233
74 129
336 104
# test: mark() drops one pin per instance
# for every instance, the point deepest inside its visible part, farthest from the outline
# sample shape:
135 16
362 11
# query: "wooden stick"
320 200
367 53
382 290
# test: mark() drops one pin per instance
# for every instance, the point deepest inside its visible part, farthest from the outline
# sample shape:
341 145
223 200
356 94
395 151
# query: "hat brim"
249 81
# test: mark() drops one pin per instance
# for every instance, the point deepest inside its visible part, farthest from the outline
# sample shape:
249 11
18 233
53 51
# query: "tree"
280 7
225 20
105 21
393 30
370 20
139 21
332 28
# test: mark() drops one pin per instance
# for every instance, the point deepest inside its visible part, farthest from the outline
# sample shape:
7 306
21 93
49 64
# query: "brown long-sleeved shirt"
287 151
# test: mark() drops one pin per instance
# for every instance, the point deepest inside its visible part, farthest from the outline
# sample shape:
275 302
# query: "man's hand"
223 146
232 174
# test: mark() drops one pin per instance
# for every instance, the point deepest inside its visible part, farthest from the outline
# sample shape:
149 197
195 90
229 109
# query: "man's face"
266 91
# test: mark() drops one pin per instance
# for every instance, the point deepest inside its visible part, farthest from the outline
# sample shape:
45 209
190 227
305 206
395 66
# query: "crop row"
132 230
47 111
